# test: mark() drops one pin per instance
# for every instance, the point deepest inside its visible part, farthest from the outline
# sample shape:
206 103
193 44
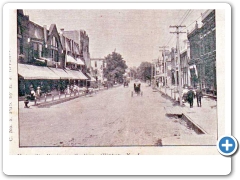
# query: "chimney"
196 25
45 33
61 31
61 37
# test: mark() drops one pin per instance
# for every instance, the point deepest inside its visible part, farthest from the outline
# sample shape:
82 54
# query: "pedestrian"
190 96
38 92
33 94
199 96
26 102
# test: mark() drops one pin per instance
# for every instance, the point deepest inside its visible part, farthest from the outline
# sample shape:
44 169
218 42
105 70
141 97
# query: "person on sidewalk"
38 93
33 94
190 96
199 96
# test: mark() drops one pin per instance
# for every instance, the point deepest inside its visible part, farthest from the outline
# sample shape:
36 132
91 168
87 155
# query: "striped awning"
80 61
70 59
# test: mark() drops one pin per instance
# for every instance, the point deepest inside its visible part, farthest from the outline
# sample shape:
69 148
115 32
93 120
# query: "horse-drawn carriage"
125 83
137 89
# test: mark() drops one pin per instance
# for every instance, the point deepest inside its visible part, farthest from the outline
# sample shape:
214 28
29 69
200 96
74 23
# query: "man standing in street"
199 96
190 96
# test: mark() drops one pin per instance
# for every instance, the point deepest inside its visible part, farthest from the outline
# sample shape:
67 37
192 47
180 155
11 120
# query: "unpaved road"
109 118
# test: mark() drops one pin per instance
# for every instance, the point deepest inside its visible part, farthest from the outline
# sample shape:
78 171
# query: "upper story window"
54 42
37 50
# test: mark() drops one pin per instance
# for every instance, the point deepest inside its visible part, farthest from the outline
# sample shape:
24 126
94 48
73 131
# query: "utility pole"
164 67
151 75
179 61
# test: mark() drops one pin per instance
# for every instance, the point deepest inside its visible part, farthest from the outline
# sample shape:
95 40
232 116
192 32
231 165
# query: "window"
35 50
40 52
54 42
95 63
55 55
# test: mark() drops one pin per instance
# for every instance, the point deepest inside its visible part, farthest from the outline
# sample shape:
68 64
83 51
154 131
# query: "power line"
189 12
181 20
193 22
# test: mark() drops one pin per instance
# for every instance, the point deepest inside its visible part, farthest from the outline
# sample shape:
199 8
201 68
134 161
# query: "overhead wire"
181 20
185 16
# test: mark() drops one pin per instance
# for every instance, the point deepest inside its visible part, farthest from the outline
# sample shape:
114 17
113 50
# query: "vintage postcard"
111 79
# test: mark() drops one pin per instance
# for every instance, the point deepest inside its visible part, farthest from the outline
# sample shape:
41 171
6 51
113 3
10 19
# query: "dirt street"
109 118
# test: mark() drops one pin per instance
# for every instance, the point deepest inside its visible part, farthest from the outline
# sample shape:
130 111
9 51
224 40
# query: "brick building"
202 62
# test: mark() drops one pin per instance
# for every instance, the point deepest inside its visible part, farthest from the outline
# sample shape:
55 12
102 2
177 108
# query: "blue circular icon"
227 145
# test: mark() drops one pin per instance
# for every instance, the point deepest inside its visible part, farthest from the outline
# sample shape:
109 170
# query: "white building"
97 66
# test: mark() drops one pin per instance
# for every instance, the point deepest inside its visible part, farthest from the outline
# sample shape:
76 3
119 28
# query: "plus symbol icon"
227 145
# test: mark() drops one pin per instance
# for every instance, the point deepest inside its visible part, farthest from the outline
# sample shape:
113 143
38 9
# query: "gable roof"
51 30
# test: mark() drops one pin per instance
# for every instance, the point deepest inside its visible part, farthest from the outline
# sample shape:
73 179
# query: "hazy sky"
136 34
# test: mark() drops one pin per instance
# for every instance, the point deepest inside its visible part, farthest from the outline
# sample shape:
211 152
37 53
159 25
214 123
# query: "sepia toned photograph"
116 78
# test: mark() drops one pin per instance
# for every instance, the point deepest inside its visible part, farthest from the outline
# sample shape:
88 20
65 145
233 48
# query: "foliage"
144 71
115 68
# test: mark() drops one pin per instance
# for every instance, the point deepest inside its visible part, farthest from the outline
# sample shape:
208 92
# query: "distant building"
184 60
166 68
97 66
174 66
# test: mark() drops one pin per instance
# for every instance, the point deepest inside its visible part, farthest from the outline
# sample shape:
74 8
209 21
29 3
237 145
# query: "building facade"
42 58
81 38
97 66
202 62
184 60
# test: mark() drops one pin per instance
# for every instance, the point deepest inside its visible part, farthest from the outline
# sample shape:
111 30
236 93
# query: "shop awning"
61 73
76 74
80 61
36 72
90 77
70 59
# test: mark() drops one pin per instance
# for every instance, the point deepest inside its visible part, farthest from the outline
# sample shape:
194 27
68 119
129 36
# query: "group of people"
190 95
33 96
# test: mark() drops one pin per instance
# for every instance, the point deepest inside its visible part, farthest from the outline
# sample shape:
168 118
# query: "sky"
135 34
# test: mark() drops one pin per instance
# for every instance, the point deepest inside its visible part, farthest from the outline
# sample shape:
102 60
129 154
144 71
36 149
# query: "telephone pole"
179 61
164 67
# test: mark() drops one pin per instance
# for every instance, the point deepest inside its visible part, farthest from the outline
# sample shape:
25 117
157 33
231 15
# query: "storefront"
46 78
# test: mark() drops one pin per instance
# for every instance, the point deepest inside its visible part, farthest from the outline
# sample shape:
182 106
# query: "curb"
193 125
58 101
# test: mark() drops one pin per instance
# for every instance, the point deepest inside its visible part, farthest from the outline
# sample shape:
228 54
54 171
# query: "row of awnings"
41 72
72 60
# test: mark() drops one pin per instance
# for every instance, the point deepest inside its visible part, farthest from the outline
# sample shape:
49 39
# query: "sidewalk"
204 117
56 98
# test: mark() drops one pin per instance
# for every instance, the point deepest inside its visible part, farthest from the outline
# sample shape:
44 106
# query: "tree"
115 68
144 71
